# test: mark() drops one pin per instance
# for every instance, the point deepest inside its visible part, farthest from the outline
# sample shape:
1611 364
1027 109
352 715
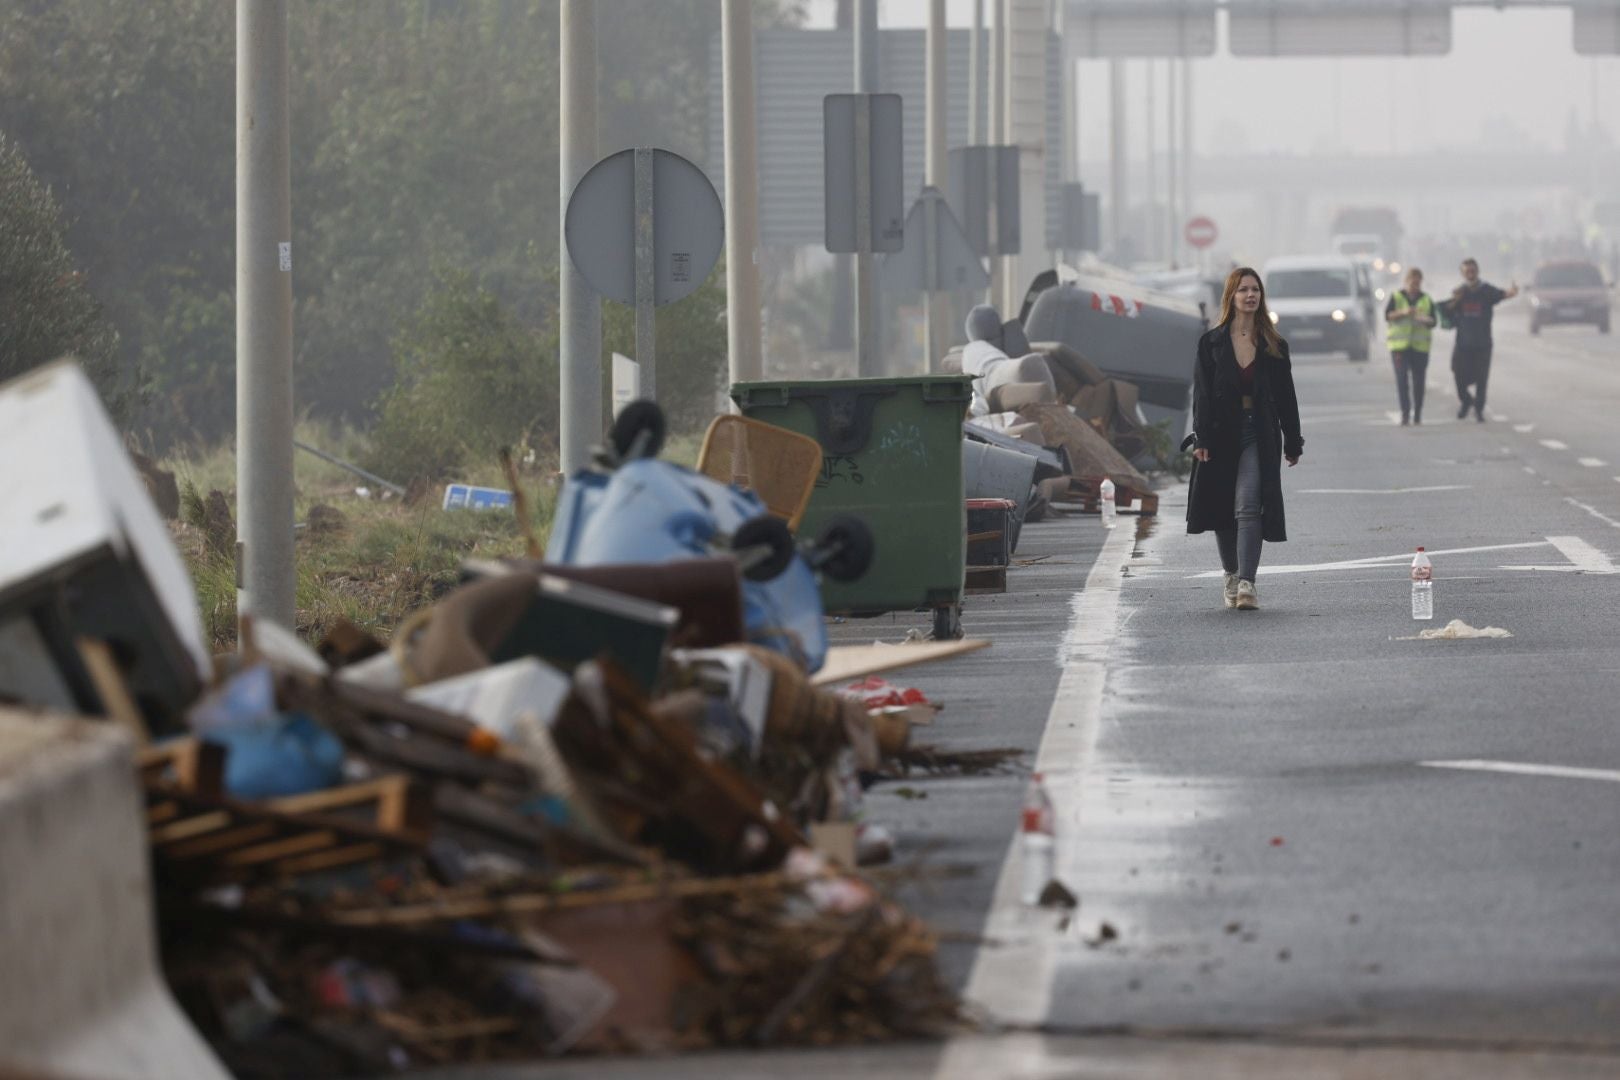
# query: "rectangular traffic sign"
841 118
984 195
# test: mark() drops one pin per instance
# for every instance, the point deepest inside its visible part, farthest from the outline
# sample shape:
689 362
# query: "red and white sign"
1109 304
1200 232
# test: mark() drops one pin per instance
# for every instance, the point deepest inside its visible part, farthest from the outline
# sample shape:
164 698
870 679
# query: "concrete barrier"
80 990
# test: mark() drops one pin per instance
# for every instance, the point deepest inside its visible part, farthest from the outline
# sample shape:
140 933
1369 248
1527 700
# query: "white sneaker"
1247 598
1230 591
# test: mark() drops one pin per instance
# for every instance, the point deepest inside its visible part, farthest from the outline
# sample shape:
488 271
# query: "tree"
46 311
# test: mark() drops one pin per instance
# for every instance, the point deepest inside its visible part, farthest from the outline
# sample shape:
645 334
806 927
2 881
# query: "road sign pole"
934 334
579 310
264 385
646 287
867 358
742 193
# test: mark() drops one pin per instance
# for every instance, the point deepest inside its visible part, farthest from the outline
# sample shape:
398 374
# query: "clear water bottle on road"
1422 586
1105 503
1038 829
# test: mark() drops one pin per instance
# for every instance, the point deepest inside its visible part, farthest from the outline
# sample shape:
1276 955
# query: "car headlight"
1338 316
1380 294
1275 316
1394 268
1378 264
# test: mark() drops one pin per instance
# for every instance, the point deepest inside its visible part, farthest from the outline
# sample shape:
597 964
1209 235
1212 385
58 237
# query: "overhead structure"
1114 29
1597 29
1342 28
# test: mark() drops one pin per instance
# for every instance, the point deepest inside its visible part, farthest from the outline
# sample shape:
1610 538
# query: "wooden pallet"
986 580
199 835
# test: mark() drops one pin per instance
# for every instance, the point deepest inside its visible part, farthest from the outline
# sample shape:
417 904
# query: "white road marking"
1524 429
1384 491
1554 444
1583 558
1529 470
1013 979
1606 519
1568 772
1381 560
1593 463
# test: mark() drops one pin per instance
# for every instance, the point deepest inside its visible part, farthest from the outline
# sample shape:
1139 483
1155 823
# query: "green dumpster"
891 456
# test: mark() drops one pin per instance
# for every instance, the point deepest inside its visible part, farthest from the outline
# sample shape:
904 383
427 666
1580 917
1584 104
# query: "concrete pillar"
869 358
742 193
579 309
264 384
1117 145
976 76
936 332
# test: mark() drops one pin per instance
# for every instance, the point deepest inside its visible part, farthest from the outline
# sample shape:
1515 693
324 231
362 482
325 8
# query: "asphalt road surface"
1305 843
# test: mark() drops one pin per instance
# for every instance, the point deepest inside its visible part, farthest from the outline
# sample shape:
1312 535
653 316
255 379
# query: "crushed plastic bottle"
1422 586
1038 827
1105 503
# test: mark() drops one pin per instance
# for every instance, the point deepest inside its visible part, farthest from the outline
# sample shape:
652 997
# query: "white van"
1320 303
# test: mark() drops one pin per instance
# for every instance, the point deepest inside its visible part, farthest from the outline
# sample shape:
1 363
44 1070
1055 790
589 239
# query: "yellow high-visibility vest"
1405 333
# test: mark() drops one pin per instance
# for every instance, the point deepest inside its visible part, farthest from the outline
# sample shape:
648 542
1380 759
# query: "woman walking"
1245 424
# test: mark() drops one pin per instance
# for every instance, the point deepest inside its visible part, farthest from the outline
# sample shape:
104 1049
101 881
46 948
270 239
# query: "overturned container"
892 456
1130 331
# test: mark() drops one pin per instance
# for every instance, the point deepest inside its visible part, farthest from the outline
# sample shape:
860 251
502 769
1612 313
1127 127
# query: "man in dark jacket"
1470 308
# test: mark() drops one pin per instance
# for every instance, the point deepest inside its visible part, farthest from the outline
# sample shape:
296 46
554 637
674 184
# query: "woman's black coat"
1218 428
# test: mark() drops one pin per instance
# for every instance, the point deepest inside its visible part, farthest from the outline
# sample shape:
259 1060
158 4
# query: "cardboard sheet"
848 662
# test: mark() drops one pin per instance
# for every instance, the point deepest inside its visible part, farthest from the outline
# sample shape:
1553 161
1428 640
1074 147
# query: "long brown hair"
1262 318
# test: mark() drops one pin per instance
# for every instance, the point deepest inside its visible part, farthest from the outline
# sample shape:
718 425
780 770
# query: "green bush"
470 378
46 311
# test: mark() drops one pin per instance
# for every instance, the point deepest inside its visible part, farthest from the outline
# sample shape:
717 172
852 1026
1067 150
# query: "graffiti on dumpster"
838 468
905 439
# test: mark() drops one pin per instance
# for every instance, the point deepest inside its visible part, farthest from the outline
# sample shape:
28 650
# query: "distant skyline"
1512 78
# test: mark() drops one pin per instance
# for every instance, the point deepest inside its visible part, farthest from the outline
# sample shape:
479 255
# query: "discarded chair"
778 465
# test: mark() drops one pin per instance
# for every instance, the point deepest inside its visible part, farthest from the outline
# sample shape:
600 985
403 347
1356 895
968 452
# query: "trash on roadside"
1457 630
472 497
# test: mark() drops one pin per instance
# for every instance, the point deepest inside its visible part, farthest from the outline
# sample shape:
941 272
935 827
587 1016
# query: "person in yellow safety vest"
1411 318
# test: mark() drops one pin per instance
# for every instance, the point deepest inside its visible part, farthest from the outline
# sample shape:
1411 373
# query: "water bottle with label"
1422 586
1038 828
1105 503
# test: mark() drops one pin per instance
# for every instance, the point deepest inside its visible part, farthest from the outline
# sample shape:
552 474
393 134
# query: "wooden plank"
326 860
276 850
189 827
228 840
847 662
111 688
400 803
192 764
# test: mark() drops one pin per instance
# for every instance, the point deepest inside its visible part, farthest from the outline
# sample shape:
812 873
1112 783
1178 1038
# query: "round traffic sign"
1200 232
688 226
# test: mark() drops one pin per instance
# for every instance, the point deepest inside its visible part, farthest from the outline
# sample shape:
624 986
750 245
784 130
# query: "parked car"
1569 291
1320 303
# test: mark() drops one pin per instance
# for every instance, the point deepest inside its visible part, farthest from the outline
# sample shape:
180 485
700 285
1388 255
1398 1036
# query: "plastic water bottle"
1422 586
1038 827
1105 503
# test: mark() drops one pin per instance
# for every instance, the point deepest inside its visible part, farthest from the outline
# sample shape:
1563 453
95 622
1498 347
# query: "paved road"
1244 797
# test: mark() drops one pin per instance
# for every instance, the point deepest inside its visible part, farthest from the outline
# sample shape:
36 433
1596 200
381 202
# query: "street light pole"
579 309
266 576
934 335
742 193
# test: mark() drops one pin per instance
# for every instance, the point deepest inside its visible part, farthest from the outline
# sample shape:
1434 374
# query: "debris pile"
608 798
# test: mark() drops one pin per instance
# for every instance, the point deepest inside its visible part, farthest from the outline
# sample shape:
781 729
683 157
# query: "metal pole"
742 194
1187 196
579 309
976 76
266 577
1150 225
998 137
646 281
934 334
867 357
1004 297
1172 231
1116 153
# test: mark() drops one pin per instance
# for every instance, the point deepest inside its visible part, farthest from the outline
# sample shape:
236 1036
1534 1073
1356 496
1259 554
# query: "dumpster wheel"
947 622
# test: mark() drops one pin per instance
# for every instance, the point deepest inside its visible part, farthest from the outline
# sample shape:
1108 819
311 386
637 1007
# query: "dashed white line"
1567 772
1593 463
1524 429
1554 444
1600 515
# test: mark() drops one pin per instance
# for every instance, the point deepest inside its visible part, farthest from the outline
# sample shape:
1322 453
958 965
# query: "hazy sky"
1512 78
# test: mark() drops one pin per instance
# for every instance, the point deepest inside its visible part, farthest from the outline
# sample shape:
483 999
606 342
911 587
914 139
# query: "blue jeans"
1240 547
